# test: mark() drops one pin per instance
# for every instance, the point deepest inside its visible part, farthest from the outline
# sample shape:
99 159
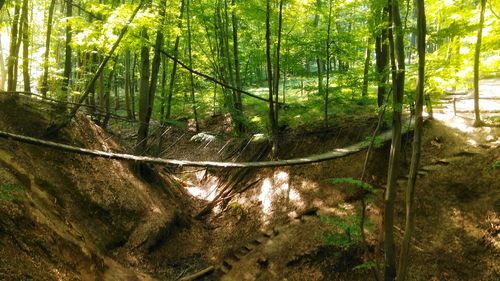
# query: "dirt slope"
71 217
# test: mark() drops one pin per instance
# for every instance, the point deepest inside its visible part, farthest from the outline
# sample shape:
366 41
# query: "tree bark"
191 77
404 256
272 120
477 53
13 50
328 64
174 67
68 53
45 76
128 84
144 98
26 44
398 76
364 90
382 59
238 104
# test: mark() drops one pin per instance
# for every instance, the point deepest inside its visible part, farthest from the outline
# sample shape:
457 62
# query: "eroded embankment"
70 217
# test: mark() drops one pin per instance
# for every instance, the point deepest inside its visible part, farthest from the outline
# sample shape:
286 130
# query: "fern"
354 182
10 192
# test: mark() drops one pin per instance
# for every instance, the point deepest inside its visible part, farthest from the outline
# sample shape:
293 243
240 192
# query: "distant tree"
45 76
14 49
477 113
26 46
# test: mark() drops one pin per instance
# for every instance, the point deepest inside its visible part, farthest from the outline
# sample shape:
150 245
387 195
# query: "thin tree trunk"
277 65
272 121
174 67
163 89
191 76
128 84
133 87
3 72
68 53
398 76
404 256
382 56
144 95
26 42
477 53
13 54
240 127
364 91
328 64
45 76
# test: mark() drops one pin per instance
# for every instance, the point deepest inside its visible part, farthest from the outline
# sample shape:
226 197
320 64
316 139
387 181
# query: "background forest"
266 73
327 57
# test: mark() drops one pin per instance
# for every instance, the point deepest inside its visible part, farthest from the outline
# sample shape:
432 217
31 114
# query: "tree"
26 45
68 53
417 145
48 36
396 41
144 97
273 123
14 50
477 114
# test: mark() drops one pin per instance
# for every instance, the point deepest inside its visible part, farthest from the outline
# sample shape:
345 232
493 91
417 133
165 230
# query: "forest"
250 140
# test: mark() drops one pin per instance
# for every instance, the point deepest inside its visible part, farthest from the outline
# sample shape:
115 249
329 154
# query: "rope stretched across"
333 154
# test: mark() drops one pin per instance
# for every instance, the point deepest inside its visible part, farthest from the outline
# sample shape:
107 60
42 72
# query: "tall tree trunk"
68 53
144 98
272 121
277 65
404 256
398 76
26 44
48 36
364 91
3 71
163 89
319 62
328 63
238 104
382 56
128 84
13 50
174 66
191 77
133 87
477 53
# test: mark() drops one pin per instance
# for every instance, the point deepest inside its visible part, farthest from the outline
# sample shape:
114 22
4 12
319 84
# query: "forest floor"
68 217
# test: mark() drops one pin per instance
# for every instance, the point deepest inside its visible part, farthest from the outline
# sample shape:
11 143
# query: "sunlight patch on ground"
277 187
203 193
467 224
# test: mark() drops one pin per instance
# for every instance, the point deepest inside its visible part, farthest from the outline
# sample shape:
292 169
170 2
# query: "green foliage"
495 165
365 265
354 182
10 192
344 233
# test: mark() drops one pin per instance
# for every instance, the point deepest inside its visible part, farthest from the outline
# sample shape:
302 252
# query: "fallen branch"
198 274
334 154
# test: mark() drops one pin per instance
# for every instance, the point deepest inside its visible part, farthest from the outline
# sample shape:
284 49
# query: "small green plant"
495 165
354 182
10 192
349 233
